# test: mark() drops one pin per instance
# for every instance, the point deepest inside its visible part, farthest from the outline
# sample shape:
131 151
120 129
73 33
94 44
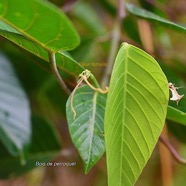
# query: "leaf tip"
124 44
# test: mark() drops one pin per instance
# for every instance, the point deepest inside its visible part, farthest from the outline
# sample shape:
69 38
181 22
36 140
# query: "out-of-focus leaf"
87 129
44 147
83 52
30 18
87 15
108 7
15 129
176 115
177 130
131 29
153 17
135 114
52 101
64 61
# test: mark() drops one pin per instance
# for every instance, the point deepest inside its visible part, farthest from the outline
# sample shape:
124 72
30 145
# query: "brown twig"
52 60
121 9
69 5
174 153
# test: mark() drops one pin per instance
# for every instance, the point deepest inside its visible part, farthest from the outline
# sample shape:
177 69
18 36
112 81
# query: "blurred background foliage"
94 21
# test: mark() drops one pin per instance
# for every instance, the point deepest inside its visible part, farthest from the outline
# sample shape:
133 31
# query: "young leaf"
15 129
41 22
153 17
86 129
135 114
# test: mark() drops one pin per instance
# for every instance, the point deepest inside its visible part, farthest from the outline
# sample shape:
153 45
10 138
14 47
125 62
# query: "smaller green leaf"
153 17
87 129
15 128
176 115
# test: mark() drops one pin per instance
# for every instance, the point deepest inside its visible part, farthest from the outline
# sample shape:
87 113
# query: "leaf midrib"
124 106
92 131
26 35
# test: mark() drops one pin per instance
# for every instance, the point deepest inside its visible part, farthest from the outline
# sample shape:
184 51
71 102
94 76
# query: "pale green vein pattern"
135 114
41 22
87 129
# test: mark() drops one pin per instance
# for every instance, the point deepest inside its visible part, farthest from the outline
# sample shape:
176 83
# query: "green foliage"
128 122
85 13
44 146
64 62
139 95
15 129
177 130
176 115
153 17
87 128
30 18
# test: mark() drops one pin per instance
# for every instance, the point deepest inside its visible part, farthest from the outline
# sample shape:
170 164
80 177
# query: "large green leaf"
15 129
40 22
153 17
64 62
135 114
87 129
176 115
45 146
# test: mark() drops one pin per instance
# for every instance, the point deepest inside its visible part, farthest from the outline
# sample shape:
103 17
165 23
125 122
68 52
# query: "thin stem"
121 9
96 89
72 97
112 54
52 59
116 35
174 153
69 5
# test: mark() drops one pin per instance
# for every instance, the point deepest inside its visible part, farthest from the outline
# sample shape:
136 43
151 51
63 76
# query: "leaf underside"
135 114
87 129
